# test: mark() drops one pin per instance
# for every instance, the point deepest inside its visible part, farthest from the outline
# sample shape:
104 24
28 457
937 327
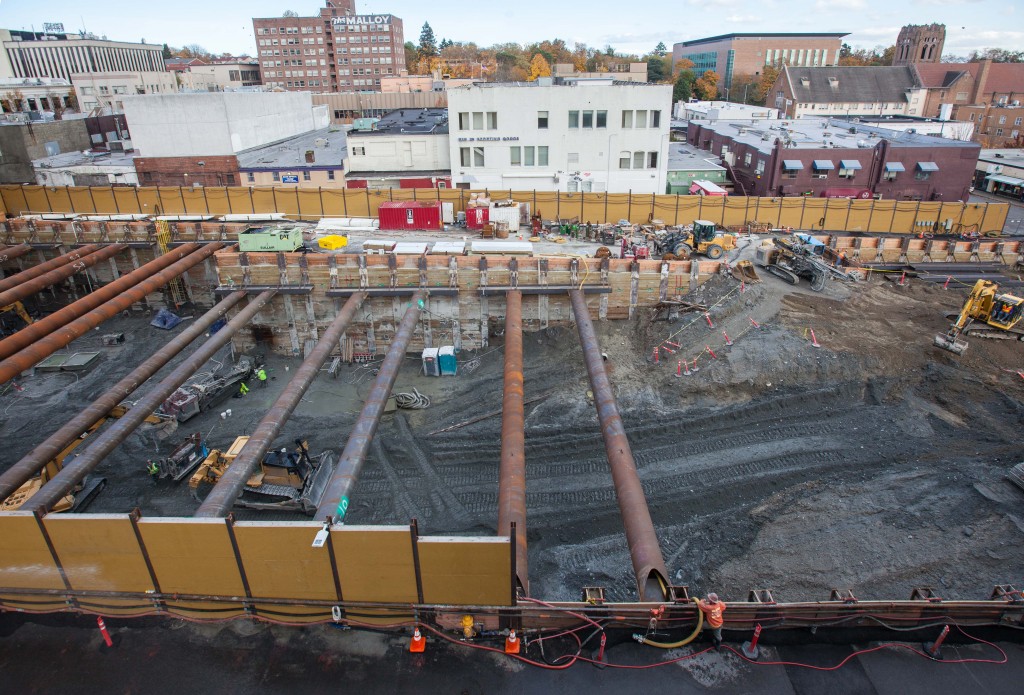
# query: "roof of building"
783 35
329 145
849 84
813 132
432 121
685 157
15 82
1007 157
1002 77
77 158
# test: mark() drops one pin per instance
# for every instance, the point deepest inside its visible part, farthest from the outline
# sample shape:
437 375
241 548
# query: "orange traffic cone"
417 645
512 643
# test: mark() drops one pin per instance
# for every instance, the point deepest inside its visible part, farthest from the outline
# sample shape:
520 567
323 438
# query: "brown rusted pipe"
11 252
45 326
25 469
83 463
512 474
45 267
230 485
31 285
54 340
648 563
335 500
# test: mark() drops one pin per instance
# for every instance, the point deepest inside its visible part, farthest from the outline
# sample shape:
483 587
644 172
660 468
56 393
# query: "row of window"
488 120
476 120
999 132
796 56
1002 119
323 73
291 42
277 176
290 52
638 160
319 29
528 156
383 38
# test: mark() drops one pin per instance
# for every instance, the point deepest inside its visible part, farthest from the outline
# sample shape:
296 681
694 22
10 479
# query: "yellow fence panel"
99 552
191 556
309 203
466 571
102 200
25 561
280 561
216 199
240 201
375 563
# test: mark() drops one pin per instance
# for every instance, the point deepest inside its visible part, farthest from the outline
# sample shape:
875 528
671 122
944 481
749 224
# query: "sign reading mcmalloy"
363 19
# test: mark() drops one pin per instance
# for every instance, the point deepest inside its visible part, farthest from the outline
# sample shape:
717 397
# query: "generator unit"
271 238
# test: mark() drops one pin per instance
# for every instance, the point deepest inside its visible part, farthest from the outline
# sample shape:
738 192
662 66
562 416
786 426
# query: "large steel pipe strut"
85 462
61 336
9 253
512 474
229 487
38 283
45 267
25 469
335 500
45 326
648 563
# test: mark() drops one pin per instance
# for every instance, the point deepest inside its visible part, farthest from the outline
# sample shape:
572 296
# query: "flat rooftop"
76 158
433 121
683 156
291 153
782 35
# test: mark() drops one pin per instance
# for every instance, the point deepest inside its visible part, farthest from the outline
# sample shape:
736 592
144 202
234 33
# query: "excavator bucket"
744 271
950 343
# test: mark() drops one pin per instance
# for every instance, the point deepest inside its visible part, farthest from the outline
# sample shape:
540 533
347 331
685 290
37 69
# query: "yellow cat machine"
704 239
86 491
16 308
986 314
290 481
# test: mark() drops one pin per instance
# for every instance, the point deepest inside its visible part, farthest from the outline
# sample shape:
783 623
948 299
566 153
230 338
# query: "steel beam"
60 336
648 563
37 283
231 484
25 469
512 474
335 501
43 327
9 253
393 291
545 289
86 461
45 267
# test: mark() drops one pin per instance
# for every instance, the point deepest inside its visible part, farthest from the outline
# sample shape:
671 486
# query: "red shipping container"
410 214
476 218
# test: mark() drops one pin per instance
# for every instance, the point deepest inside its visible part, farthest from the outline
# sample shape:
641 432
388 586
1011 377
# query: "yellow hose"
681 643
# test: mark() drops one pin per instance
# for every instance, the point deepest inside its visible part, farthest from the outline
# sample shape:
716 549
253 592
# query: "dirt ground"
876 462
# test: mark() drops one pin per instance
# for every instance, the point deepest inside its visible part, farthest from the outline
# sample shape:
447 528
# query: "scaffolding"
176 287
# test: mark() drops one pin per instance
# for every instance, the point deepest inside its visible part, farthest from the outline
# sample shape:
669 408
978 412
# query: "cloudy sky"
226 25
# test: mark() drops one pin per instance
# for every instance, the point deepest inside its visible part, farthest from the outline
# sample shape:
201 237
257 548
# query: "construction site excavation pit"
829 446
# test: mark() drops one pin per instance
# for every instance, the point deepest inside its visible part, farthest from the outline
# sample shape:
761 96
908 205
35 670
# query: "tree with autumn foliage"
706 87
539 67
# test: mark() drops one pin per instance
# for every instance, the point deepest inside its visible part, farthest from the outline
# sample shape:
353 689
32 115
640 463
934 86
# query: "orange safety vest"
713 612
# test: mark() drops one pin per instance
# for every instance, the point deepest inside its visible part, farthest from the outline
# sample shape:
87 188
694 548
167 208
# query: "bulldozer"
87 490
286 481
987 314
704 239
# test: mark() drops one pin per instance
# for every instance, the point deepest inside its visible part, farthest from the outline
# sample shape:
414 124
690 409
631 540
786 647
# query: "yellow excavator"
19 309
86 491
986 313
286 481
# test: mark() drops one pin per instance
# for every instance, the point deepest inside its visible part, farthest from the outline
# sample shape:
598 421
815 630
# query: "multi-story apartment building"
589 135
734 55
339 51
31 54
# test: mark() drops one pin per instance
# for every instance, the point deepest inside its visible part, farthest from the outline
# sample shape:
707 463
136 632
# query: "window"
465 157
528 156
624 159
641 119
845 173
760 167
961 96
277 176
999 131
789 173
478 120
515 156
972 116
747 158
1002 119
602 119
588 119
330 175
305 175
492 120
638 160
147 176
542 120
542 156
230 178
627 121
359 151
1016 121
478 156
922 175
251 177
574 119
655 119
652 160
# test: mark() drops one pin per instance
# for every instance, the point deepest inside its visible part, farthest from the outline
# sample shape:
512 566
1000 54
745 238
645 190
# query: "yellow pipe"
675 645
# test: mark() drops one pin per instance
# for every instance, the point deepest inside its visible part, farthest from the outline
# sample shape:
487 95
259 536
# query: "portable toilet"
446 358
430 362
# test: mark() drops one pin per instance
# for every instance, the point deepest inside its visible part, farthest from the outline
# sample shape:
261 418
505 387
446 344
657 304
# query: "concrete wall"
369 153
20 144
179 125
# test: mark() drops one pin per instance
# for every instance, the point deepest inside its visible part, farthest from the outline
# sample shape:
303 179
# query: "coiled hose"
412 401
674 645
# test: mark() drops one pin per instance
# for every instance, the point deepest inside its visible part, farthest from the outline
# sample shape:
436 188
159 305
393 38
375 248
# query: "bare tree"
56 105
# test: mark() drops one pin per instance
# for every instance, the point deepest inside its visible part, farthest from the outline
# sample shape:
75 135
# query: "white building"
222 76
722 111
54 53
87 169
97 89
220 123
586 135
35 93
407 148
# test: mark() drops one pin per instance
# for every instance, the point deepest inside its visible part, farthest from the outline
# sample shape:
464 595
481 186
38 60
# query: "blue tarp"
165 319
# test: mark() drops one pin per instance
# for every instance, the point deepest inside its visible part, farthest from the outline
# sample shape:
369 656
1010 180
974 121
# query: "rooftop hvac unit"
320 142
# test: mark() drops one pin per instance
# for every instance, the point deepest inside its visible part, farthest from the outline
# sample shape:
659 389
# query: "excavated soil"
876 462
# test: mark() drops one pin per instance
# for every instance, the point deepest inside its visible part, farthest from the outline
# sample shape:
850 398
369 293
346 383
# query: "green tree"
683 87
411 56
167 51
428 44
655 69
660 50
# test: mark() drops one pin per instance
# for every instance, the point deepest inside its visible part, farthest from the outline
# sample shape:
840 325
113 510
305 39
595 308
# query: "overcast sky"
633 27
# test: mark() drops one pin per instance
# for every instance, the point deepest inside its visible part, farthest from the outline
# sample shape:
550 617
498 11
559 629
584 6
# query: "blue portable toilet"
446 359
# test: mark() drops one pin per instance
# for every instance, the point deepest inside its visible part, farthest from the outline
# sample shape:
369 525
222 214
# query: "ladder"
175 287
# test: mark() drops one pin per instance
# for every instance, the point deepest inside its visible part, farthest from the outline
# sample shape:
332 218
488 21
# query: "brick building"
735 55
819 157
920 44
844 91
338 51
969 84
